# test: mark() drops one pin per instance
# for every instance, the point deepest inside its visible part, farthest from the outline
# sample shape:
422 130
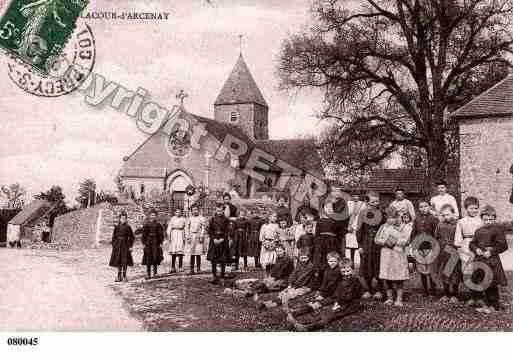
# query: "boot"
124 276
119 279
192 265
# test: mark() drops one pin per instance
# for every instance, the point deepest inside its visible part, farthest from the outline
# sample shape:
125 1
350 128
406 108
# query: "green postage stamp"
37 30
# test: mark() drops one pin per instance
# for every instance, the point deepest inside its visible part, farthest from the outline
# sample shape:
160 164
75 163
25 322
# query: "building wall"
261 122
77 228
222 113
149 184
486 155
109 217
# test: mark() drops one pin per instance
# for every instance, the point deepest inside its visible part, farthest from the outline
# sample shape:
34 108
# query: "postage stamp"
36 31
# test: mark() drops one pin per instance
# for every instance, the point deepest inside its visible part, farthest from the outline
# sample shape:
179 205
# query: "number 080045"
22 341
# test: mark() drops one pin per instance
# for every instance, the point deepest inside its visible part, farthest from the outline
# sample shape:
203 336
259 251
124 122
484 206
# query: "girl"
122 242
286 238
393 236
464 233
240 238
268 239
176 236
424 227
195 234
444 234
254 245
351 243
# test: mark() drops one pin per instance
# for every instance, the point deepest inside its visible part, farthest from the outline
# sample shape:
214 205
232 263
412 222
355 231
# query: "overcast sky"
48 141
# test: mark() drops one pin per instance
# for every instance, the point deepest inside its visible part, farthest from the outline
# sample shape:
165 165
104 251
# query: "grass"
182 303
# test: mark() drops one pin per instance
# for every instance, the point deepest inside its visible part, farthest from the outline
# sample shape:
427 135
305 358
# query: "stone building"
168 160
486 147
34 219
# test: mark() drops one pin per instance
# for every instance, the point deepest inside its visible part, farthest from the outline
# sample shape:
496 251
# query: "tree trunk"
436 170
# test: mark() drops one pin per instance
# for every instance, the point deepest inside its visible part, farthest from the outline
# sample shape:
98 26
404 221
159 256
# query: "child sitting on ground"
300 282
277 280
344 301
488 243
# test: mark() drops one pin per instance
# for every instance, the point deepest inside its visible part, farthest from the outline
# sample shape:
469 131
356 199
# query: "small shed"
34 222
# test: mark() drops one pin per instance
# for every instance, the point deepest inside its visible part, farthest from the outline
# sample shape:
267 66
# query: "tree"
86 193
15 195
391 70
54 195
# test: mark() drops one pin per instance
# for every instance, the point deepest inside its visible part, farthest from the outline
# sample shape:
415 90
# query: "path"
41 290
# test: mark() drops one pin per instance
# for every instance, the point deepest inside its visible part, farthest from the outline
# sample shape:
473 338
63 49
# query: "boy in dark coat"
345 300
122 242
300 282
306 241
152 239
218 248
239 238
253 248
489 241
370 220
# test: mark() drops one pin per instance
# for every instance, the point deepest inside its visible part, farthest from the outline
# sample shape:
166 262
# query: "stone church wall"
486 155
76 228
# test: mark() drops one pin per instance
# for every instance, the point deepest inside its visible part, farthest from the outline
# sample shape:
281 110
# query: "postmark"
36 31
66 72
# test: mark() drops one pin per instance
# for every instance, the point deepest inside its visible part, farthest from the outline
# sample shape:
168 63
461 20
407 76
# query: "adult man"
283 211
402 204
337 208
230 211
306 207
443 198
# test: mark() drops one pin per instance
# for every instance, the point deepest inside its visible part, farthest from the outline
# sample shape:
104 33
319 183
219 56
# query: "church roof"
496 101
240 87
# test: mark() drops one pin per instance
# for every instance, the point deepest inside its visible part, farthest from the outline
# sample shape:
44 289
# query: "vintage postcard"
241 166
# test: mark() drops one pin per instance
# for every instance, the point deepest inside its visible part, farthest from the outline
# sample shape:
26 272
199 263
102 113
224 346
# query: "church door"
177 184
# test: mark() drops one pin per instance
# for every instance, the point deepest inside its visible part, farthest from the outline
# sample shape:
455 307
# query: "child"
325 241
283 212
218 248
152 239
489 241
176 236
355 207
424 226
402 204
465 229
241 234
393 261
443 198
444 234
278 276
330 278
371 218
268 239
344 301
300 282
195 234
254 245
286 238
122 242
305 241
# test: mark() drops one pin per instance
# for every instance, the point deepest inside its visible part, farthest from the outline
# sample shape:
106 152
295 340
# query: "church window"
234 116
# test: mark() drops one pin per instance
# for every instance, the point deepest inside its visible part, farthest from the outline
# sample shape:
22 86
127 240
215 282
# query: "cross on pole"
240 43
181 96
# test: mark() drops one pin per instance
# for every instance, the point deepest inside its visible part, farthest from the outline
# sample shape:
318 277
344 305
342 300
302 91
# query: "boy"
306 240
370 219
424 226
443 198
344 301
330 278
326 240
218 248
278 278
241 236
152 239
464 232
254 225
300 282
489 241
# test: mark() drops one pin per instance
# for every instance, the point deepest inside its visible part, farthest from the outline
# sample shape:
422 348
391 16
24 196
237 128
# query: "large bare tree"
392 69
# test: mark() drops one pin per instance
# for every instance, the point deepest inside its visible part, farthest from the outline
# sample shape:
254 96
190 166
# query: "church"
167 161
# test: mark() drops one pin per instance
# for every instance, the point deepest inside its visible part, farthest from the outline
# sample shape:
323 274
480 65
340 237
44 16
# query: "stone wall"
76 228
109 216
486 155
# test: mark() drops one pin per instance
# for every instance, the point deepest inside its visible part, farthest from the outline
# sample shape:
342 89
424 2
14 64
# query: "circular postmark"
66 72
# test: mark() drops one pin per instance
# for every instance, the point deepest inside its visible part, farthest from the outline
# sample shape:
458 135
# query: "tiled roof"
387 180
143 172
496 101
33 210
240 87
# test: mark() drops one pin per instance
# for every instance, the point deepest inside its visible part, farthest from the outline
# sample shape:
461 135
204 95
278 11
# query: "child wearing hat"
122 242
152 239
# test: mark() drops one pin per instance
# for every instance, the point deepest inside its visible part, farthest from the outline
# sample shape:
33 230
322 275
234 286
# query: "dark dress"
340 207
241 236
490 237
306 209
306 241
326 240
330 281
152 239
122 242
219 227
282 268
284 213
444 234
253 247
302 276
370 259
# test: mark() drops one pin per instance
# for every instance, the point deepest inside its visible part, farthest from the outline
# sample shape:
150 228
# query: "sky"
47 141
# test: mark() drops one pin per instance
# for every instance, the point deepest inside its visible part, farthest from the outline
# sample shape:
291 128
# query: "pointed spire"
240 87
